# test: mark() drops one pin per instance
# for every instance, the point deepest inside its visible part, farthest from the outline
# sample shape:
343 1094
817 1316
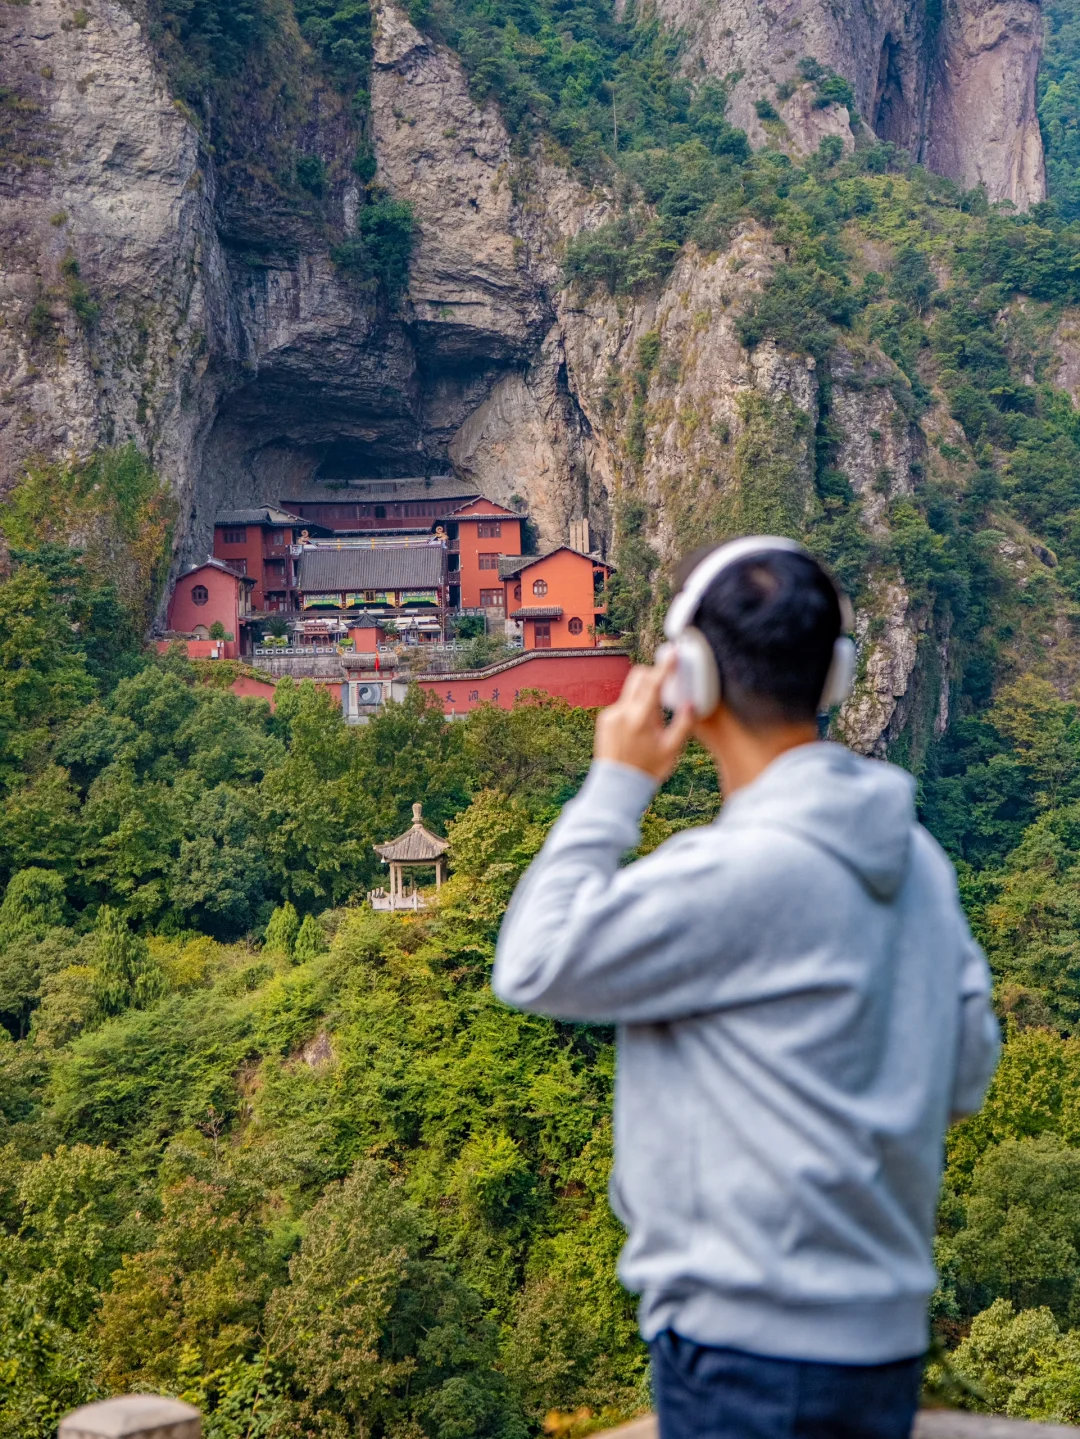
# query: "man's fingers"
637 683
642 688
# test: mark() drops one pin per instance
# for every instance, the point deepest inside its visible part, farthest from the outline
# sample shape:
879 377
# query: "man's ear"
706 730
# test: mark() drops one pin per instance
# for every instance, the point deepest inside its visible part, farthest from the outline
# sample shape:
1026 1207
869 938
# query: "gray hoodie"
801 1008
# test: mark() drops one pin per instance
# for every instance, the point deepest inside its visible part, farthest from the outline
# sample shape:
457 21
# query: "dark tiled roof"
537 612
218 565
382 567
510 565
416 843
262 515
438 487
500 511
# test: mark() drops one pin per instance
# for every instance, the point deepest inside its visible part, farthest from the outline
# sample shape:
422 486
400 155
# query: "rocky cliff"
953 84
139 299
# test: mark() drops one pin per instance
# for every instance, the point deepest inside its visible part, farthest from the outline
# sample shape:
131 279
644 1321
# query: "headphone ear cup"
672 691
695 679
699 672
841 676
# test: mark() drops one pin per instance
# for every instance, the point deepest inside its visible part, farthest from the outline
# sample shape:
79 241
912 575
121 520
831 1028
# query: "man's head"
771 621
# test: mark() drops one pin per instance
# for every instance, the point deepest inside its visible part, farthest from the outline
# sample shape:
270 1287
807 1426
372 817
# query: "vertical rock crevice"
953 83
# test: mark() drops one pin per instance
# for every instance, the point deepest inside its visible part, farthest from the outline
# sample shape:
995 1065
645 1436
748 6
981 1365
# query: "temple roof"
511 565
213 564
261 515
366 491
417 844
537 612
382 567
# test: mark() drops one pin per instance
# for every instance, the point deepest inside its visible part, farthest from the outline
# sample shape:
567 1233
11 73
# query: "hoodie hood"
860 810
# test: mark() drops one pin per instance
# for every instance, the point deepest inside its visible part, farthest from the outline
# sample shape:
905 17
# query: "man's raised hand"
632 730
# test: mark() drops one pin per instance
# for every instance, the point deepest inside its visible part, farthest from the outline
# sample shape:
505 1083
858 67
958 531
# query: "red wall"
569 579
366 639
222 604
248 688
203 649
587 680
470 547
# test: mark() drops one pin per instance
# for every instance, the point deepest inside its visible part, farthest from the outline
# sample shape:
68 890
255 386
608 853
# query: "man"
801 1008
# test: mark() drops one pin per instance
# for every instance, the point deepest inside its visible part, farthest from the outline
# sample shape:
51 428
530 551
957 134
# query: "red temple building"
403 584
358 507
209 594
557 597
331 579
481 534
259 543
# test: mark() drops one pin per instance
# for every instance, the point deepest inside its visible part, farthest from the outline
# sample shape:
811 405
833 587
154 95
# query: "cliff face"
141 300
954 85
725 437
102 203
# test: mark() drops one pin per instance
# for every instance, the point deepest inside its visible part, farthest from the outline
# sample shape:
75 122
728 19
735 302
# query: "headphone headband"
696 679
685 604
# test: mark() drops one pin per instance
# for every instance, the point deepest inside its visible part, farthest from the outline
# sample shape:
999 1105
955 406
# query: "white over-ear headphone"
695 679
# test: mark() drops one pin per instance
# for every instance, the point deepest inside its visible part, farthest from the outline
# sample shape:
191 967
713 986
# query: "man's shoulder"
930 852
743 847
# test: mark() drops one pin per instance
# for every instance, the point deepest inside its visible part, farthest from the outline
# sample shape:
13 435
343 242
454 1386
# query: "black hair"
772 620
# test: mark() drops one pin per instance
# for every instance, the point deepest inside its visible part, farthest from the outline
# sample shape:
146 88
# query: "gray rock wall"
957 92
231 348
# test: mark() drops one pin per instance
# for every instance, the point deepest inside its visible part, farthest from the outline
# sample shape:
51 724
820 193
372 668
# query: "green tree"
1021 1234
1044 733
282 930
33 903
1032 908
373 1330
316 814
43 676
193 1297
70 1235
126 974
310 940
1022 1363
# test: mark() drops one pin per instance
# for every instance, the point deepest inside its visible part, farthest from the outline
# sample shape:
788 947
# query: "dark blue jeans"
704 1393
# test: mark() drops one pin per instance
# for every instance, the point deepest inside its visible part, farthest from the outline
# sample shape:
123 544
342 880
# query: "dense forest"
288 1158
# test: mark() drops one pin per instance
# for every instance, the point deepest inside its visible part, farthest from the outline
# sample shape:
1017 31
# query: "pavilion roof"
417 844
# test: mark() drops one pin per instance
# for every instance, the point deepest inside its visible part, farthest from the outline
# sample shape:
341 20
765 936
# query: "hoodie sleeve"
584 939
980 1039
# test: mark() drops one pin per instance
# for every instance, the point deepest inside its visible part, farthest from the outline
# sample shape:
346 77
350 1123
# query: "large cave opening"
307 407
893 113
